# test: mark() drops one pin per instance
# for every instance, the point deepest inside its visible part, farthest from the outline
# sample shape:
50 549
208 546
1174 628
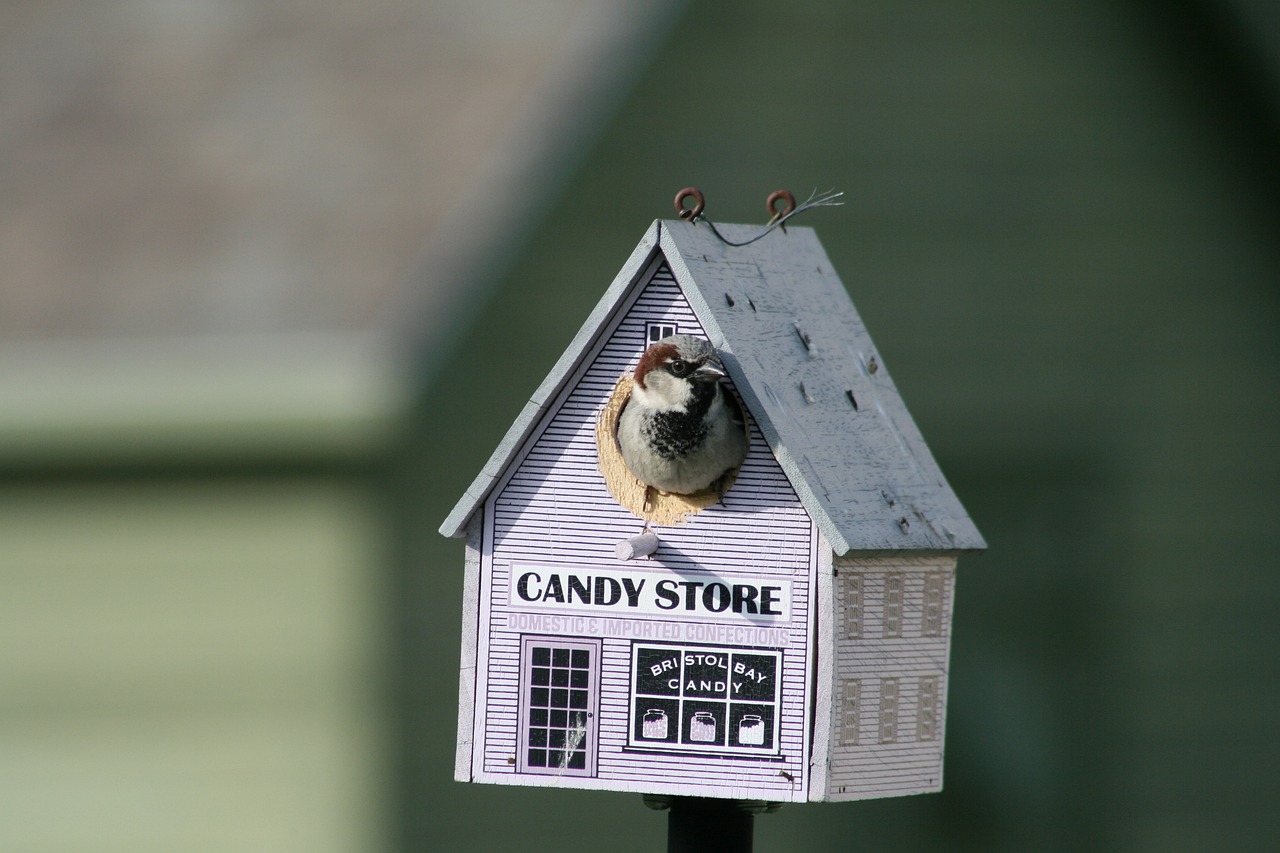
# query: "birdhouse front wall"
686 673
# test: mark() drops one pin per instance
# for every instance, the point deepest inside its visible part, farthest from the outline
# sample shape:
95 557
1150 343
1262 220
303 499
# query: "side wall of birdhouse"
582 676
883 695
470 643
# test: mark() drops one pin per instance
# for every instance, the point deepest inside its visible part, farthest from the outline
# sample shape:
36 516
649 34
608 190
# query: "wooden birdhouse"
785 641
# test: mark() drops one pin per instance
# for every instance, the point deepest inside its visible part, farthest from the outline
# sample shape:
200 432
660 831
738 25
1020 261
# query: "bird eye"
679 367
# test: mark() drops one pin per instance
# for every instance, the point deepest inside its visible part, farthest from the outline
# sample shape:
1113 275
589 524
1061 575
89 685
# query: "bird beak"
709 372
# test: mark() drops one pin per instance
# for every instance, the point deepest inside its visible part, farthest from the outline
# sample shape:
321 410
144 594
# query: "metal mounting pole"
707 824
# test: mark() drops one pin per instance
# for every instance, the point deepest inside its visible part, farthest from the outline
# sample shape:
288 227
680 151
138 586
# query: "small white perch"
637 546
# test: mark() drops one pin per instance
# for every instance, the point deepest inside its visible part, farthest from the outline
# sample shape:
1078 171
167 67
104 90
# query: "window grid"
851 705
655 332
893 605
558 707
853 607
705 698
889 710
927 711
935 584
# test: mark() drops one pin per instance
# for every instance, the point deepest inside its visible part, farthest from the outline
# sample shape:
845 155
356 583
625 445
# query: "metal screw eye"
771 204
699 203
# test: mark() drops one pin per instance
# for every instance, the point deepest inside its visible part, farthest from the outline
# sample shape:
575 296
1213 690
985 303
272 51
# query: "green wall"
190 663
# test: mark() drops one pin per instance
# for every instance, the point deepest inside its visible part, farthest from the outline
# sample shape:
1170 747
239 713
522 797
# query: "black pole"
709 825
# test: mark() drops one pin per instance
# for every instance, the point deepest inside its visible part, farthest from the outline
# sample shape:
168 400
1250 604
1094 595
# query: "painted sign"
704 698
615 592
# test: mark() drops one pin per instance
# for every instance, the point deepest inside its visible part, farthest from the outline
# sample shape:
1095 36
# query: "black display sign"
704 698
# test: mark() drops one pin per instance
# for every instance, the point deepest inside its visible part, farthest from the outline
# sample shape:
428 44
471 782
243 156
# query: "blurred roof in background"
214 215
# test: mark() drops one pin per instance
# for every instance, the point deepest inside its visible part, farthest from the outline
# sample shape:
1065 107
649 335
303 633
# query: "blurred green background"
1062 228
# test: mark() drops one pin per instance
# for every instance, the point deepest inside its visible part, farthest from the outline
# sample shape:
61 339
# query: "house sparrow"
681 431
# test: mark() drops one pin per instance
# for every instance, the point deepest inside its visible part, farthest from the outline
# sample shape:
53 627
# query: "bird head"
673 371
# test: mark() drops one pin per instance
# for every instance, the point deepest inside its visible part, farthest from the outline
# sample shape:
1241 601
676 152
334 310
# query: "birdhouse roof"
809 374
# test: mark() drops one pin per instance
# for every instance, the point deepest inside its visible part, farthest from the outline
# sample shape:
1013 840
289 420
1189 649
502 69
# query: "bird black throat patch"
676 434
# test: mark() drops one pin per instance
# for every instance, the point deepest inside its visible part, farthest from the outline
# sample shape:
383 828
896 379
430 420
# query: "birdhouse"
782 637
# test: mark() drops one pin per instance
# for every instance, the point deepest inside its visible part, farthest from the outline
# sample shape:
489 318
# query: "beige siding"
892 641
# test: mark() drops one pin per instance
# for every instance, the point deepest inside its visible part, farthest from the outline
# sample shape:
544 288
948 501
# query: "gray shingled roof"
806 368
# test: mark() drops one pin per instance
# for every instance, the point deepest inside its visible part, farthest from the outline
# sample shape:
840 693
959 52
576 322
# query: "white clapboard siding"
892 636
552 509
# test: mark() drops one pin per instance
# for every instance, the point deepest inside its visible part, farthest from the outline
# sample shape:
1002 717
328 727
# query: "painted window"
654 332
927 709
889 710
559 696
851 706
893 605
935 585
705 698
852 606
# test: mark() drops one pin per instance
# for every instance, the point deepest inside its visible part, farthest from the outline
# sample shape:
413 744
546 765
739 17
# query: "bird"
681 431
